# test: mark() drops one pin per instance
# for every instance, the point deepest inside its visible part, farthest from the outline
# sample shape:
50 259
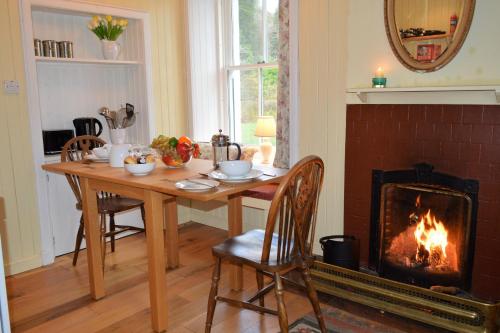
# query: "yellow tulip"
96 18
109 18
114 22
123 22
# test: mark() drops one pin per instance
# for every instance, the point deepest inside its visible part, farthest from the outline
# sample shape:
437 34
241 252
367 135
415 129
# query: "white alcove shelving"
61 89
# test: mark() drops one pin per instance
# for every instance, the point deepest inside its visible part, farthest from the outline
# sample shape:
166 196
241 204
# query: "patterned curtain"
282 158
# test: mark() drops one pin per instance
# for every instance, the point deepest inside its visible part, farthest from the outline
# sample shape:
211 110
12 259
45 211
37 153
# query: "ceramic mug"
118 154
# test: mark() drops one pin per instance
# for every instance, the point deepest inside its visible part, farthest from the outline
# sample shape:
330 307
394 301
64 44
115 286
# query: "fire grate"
420 304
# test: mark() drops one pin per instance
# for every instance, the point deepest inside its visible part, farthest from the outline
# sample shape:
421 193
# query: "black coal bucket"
341 250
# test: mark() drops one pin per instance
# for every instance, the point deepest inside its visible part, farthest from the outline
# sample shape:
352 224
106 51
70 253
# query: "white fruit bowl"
140 169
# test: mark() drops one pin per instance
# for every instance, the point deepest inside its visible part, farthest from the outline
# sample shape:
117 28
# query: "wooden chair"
285 245
108 204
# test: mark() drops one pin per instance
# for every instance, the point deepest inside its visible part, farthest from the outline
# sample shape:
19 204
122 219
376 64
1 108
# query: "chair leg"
260 285
212 297
278 290
78 243
103 239
313 297
112 229
143 216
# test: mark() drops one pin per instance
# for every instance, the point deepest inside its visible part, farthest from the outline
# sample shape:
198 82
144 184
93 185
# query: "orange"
185 139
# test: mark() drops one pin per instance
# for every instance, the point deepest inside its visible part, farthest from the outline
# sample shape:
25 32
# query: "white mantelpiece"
425 95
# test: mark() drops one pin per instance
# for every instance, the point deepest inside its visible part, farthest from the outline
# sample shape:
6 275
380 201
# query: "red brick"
443 132
417 112
407 131
452 113
400 112
432 150
472 114
490 154
353 112
481 172
496 135
470 152
450 151
425 131
482 133
491 114
434 113
461 133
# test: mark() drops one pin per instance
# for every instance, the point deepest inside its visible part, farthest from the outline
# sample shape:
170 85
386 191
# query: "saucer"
219 175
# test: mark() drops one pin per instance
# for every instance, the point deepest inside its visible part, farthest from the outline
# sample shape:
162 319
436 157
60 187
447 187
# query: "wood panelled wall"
428 14
322 71
19 225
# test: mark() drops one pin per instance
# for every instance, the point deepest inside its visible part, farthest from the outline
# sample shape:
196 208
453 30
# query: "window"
250 48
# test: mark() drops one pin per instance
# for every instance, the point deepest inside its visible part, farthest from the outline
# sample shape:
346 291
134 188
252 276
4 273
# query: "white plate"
197 185
94 158
219 175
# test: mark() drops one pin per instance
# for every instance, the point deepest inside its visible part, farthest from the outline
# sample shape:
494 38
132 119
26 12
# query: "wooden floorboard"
56 298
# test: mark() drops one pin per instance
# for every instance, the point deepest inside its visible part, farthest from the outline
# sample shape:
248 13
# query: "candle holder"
379 82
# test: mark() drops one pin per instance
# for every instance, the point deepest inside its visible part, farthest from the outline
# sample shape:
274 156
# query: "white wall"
368 48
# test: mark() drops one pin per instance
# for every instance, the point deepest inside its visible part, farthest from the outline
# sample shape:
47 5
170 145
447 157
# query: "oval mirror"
426 34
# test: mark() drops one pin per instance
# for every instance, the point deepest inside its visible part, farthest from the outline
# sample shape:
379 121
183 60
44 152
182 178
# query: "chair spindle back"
294 207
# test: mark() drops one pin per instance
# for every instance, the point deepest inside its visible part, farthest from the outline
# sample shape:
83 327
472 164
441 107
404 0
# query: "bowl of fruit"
175 153
140 164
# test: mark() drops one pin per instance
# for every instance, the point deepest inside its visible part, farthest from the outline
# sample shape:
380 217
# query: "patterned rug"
339 321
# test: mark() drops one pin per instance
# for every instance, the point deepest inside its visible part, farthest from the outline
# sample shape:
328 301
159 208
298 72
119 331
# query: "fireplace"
423 227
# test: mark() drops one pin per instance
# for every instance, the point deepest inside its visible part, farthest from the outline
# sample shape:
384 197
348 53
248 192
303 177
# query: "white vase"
110 49
118 135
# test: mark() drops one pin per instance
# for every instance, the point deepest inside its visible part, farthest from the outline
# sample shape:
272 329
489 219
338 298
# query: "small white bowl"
101 152
140 169
235 168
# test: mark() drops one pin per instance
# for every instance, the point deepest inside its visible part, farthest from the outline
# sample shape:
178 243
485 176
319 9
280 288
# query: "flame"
432 240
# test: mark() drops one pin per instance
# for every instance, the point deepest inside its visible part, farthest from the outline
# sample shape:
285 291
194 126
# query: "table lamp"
266 128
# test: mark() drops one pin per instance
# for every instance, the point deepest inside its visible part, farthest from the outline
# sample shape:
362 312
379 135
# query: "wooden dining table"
159 193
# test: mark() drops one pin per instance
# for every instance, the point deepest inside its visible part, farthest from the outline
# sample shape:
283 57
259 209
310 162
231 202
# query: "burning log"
445 290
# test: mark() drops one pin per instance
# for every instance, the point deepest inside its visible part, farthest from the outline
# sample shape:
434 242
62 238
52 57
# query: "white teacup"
235 168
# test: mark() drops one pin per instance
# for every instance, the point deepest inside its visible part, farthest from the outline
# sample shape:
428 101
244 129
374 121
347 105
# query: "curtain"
282 157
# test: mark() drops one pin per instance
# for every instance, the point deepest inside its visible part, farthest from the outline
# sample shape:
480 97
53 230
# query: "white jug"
118 154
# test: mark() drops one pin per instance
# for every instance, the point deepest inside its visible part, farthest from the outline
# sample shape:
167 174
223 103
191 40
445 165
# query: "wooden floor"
56 298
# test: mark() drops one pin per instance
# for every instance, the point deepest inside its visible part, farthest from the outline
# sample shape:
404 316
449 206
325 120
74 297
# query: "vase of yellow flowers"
108 29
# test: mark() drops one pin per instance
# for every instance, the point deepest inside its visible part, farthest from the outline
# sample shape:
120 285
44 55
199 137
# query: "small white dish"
140 169
221 176
102 152
94 158
235 168
197 185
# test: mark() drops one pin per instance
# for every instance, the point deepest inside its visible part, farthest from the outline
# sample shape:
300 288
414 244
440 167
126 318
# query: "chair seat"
247 248
115 204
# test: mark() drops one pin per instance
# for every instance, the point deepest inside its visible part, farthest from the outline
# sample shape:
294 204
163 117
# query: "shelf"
362 93
84 61
420 38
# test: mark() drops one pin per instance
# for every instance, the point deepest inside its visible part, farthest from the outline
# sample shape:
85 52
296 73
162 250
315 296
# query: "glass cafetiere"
220 146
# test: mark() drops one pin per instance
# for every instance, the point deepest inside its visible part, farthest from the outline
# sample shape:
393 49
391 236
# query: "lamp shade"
266 126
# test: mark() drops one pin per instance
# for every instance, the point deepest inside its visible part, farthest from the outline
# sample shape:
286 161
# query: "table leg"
93 239
235 218
153 204
172 233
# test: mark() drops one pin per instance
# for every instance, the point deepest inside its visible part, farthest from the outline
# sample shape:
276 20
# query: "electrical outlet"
11 87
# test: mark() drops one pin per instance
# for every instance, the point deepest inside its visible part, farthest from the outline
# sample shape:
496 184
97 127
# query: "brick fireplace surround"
462 140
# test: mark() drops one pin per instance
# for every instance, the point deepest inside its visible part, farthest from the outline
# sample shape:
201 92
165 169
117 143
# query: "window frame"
229 51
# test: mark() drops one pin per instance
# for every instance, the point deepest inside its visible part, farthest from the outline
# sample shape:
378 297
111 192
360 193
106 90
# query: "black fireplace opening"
422 228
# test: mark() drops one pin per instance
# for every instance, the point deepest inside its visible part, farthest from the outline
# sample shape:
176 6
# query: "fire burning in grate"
424 244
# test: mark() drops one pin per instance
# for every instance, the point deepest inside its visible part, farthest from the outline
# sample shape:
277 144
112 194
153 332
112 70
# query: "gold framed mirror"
425 35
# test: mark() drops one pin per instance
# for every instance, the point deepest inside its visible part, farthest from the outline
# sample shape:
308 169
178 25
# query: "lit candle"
379 81
380 72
